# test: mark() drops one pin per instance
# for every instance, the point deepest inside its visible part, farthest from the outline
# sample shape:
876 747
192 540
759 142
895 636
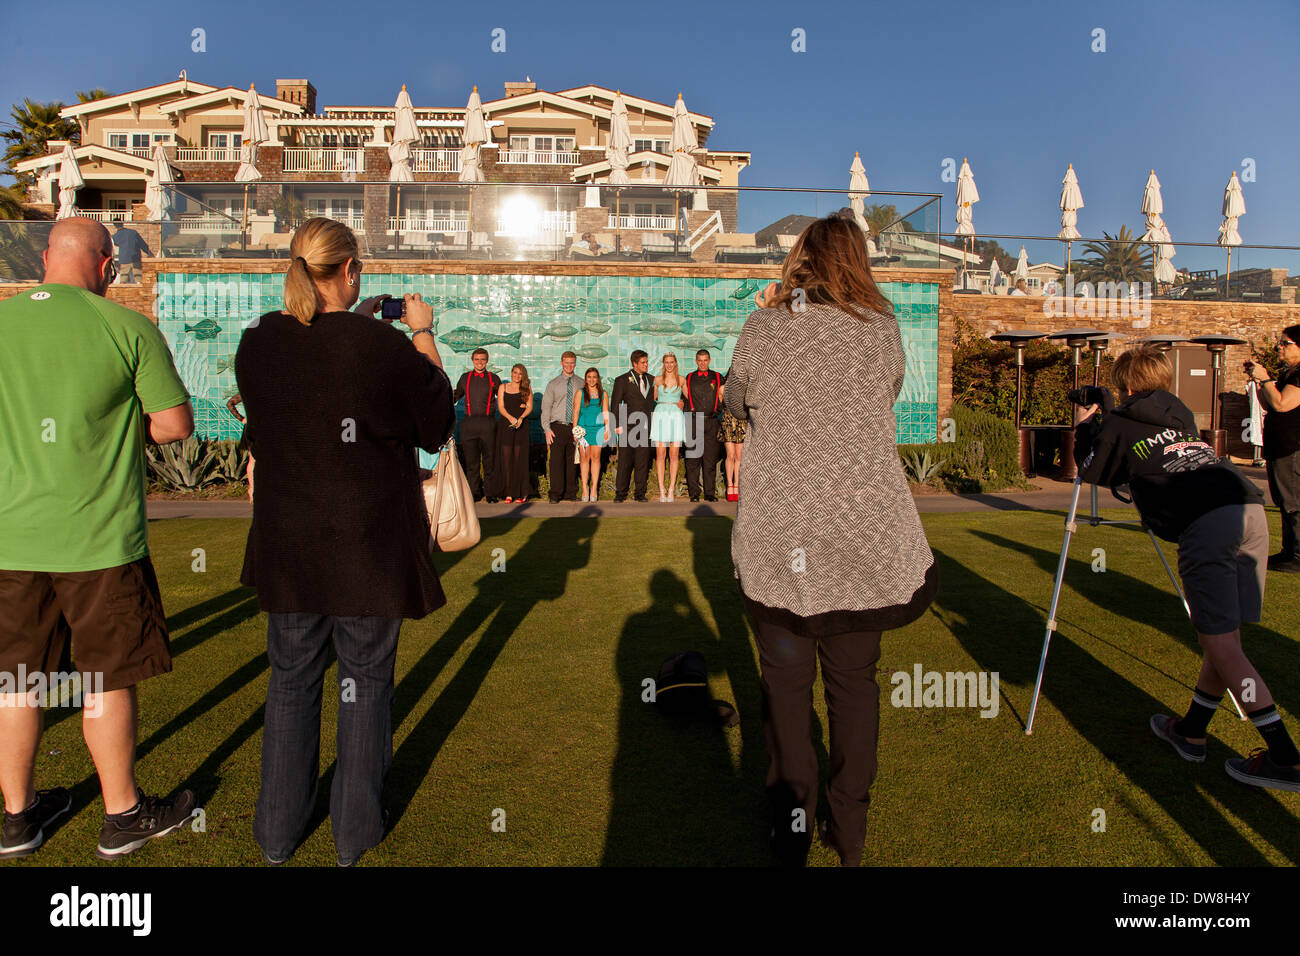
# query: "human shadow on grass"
1147 602
1003 633
734 650
537 572
676 800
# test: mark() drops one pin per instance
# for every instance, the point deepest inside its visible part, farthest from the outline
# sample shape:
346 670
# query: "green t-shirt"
76 372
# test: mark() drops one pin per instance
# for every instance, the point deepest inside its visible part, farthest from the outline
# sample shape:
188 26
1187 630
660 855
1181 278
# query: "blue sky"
1190 88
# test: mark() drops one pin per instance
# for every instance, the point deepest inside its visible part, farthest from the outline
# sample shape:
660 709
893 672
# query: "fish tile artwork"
533 320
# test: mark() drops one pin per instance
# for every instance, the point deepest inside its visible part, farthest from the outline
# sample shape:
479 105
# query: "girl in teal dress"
591 411
668 426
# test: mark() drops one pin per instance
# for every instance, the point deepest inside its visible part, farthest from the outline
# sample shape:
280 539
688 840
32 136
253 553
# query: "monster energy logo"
1142 449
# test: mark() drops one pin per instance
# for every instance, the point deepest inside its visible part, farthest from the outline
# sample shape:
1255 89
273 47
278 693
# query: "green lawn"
523 695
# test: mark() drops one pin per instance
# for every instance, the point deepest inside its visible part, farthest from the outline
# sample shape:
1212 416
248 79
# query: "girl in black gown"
514 404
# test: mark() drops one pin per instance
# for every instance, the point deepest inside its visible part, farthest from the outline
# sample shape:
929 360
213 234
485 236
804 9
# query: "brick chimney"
519 89
297 91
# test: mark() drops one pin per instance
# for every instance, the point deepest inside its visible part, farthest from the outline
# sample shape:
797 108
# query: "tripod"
1071 526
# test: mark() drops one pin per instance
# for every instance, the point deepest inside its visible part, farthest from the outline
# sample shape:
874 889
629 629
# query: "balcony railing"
641 222
208 224
435 160
207 154
540 157
320 159
353 220
142 151
105 215
431 222
550 223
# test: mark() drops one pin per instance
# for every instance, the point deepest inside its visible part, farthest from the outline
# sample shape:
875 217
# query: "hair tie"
302 260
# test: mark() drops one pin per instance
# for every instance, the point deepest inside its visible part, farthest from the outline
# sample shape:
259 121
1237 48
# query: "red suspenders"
690 399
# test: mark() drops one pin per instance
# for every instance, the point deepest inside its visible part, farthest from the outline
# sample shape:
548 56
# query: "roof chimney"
519 89
300 92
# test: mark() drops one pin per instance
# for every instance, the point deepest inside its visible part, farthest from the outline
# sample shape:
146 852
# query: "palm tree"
10 203
1118 258
34 125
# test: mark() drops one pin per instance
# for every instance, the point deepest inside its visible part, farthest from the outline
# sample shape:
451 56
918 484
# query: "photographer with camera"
1186 494
338 550
1282 443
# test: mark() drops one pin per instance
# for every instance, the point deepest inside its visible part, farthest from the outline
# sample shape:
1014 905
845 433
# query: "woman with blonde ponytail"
337 404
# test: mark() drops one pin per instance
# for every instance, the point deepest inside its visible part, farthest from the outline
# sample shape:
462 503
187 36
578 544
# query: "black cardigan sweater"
335 411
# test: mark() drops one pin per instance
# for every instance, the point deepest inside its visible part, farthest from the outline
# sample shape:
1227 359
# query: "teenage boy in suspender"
703 393
478 429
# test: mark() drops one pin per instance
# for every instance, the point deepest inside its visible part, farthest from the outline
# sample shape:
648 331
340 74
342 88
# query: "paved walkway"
1054 497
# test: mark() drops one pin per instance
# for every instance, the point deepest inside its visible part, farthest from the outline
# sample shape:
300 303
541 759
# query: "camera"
393 309
1092 395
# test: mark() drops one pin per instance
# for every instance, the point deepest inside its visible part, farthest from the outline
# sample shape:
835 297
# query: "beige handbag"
453 523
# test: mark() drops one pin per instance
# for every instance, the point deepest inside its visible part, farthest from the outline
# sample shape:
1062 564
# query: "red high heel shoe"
733 493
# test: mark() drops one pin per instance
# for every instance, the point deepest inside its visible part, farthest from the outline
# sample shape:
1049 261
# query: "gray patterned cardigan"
825 521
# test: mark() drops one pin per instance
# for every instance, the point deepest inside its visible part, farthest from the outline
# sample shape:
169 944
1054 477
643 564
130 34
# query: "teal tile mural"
532 319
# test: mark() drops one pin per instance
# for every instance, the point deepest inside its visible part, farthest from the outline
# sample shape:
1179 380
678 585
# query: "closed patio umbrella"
1234 205
157 198
1022 265
1071 203
69 182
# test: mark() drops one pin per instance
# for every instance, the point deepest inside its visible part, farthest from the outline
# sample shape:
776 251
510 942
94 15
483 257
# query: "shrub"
985 455
184 465
984 377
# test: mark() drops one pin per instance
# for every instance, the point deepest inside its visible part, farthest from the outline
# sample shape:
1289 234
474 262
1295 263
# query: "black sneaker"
25 832
154 817
1163 727
1259 770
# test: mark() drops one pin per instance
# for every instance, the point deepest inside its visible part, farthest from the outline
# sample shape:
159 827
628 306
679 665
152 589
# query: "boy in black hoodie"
1186 494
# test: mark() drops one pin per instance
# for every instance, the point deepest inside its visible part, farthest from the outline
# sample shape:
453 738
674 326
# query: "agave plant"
921 467
188 464
232 461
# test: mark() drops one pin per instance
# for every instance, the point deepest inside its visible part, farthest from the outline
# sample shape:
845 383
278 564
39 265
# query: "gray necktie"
641 381
568 400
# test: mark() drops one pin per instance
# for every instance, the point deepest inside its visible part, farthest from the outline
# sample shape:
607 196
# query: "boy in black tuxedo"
631 405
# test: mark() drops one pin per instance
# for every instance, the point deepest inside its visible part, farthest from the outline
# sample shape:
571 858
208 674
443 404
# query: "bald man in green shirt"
84 383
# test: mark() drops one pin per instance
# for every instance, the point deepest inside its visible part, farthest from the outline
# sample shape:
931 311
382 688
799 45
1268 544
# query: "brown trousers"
789 667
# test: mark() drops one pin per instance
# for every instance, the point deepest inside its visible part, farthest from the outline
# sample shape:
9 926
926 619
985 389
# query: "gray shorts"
1223 559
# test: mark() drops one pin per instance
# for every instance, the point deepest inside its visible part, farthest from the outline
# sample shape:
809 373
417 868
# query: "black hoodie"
1151 443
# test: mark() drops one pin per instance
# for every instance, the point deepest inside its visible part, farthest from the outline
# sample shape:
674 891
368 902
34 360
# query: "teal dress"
590 418
669 423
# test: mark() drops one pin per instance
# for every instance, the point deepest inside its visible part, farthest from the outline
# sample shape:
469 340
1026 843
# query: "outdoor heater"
1217 345
1162 342
1019 339
1076 340
1099 344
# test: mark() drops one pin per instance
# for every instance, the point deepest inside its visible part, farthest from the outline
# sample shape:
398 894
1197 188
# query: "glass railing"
639 222
1106 267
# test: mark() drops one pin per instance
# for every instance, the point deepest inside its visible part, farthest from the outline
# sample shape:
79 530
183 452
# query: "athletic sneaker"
1259 770
25 832
1163 727
154 817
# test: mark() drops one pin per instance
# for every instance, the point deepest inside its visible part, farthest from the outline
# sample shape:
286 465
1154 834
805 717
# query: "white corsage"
579 443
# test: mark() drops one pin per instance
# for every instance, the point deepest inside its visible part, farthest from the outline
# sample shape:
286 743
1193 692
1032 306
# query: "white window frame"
233 140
